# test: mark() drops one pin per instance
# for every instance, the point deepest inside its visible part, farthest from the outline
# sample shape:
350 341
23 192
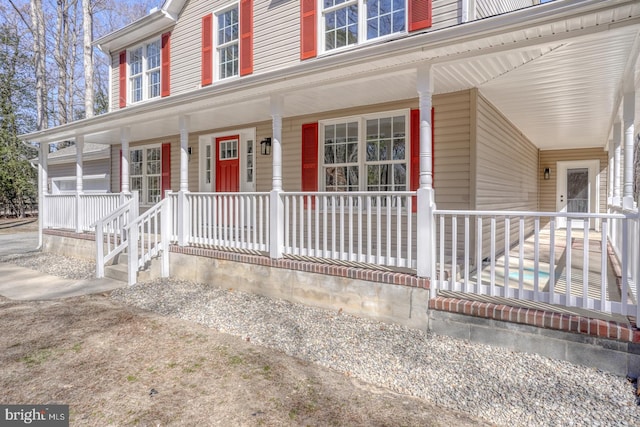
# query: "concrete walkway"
21 283
18 243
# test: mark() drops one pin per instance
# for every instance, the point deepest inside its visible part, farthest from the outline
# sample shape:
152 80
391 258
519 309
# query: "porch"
516 256
560 300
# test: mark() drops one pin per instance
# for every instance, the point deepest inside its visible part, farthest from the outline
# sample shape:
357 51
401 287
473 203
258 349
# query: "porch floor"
527 269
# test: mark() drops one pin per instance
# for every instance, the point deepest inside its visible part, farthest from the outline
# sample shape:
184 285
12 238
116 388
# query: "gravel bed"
501 386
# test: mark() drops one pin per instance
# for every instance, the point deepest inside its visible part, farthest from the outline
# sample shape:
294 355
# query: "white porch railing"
363 227
524 255
229 220
59 211
111 234
79 212
625 241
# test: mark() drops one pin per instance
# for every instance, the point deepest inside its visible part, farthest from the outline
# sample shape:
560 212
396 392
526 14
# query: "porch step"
116 272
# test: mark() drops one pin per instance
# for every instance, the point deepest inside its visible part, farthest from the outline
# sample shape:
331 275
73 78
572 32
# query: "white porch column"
610 175
426 199
617 139
276 219
628 113
125 135
183 204
79 183
43 180
184 153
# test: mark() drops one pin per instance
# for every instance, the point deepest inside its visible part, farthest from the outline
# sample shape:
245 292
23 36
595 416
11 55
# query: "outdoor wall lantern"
265 147
547 173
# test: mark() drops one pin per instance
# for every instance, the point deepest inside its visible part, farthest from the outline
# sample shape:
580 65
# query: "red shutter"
123 79
420 14
246 37
166 168
310 158
415 151
207 50
307 29
165 70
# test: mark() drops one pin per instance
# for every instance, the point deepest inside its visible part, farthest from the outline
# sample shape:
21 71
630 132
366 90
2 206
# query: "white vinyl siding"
550 158
506 165
486 8
96 173
276 39
115 81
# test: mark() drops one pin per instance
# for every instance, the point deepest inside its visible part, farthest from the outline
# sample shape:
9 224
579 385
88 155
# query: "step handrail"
139 235
116 235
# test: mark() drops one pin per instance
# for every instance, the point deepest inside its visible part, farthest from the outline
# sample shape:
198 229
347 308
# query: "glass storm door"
577 190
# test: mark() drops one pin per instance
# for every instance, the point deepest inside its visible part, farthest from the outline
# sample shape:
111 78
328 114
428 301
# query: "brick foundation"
626 332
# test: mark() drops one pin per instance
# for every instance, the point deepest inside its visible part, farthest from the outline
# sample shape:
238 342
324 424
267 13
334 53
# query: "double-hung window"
349 22
227 42
144 72
367 153
145 173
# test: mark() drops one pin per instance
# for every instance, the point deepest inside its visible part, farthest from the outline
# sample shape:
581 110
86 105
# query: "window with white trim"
366 153
349 22
144 71
145 173
227 42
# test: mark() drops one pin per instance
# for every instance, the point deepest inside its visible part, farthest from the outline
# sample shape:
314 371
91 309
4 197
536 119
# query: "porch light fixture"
265 147
547 174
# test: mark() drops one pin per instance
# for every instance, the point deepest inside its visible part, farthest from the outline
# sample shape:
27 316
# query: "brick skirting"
71 234
541 319
380 276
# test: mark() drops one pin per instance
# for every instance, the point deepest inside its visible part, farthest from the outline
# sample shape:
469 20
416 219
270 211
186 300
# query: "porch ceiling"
555 70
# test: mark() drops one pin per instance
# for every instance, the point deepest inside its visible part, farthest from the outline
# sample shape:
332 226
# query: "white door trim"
246 135
593 166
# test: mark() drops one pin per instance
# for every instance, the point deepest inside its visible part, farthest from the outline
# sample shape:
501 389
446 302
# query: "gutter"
416 42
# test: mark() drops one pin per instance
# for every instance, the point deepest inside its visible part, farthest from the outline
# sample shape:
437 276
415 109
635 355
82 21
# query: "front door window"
227 164
578 190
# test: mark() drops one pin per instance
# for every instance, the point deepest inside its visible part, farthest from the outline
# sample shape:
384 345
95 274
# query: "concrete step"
117 272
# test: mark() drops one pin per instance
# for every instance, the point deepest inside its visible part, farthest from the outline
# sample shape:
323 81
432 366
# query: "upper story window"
227 43
349 22
144 72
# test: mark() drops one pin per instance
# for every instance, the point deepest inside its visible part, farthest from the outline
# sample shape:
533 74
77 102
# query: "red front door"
228 164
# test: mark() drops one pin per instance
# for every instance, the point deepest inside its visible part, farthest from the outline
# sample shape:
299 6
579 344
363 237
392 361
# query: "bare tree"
87 49
39 54
61 56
